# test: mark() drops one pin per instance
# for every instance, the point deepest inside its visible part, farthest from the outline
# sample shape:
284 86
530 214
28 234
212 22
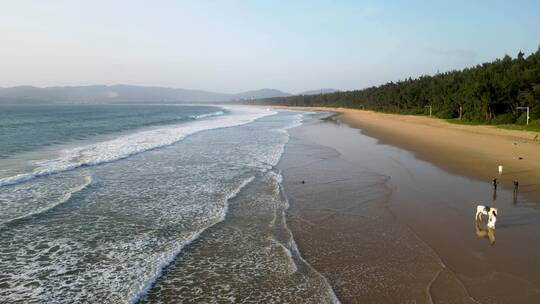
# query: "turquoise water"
104 211
28 128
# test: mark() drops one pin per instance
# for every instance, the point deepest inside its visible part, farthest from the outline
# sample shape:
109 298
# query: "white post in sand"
429 110
500 169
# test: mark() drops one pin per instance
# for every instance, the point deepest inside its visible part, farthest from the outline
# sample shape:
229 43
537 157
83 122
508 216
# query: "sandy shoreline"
474 151
384 226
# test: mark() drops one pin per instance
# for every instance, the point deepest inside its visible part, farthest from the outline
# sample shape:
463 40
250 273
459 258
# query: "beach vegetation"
503 119
488 93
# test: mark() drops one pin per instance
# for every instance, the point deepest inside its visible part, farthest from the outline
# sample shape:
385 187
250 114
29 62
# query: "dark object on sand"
494 183
516 186
303 182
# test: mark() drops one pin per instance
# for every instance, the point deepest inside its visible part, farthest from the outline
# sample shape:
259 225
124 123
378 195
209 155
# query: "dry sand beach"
387 225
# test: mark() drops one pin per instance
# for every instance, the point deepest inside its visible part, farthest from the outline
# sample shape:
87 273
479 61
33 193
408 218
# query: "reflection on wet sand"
373 220
487 232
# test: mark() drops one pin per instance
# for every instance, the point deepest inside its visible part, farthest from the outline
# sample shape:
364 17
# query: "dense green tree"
486 93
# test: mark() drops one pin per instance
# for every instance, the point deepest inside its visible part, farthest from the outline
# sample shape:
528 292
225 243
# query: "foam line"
128 145
172 255
294 248
169 258
218 113
63 199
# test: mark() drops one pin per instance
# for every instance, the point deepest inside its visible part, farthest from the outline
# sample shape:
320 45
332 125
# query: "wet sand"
384 226
474 151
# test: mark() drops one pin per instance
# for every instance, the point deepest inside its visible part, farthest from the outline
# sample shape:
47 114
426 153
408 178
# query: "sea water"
125 204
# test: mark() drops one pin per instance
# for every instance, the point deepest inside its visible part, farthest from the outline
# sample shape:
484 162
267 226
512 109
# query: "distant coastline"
104 94
502 92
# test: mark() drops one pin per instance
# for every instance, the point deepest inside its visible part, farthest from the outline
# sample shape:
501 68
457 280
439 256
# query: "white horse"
490 212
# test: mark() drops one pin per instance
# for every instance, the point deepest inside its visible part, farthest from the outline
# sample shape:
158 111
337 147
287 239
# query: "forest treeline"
486 93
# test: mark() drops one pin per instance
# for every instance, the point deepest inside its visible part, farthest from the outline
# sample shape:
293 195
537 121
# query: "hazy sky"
232 46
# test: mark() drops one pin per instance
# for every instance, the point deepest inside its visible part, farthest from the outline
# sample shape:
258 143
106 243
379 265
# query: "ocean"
149 204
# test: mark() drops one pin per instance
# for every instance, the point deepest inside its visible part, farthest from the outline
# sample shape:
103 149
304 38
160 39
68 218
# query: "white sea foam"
298 119
170 256
109 280
273 160
294 247
128 145
217 113
61 200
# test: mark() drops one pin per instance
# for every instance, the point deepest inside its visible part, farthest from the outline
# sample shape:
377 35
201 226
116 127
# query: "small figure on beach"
500 169
494 182
303 182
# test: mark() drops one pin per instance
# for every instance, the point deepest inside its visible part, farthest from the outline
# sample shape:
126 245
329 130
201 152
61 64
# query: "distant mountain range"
123 94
